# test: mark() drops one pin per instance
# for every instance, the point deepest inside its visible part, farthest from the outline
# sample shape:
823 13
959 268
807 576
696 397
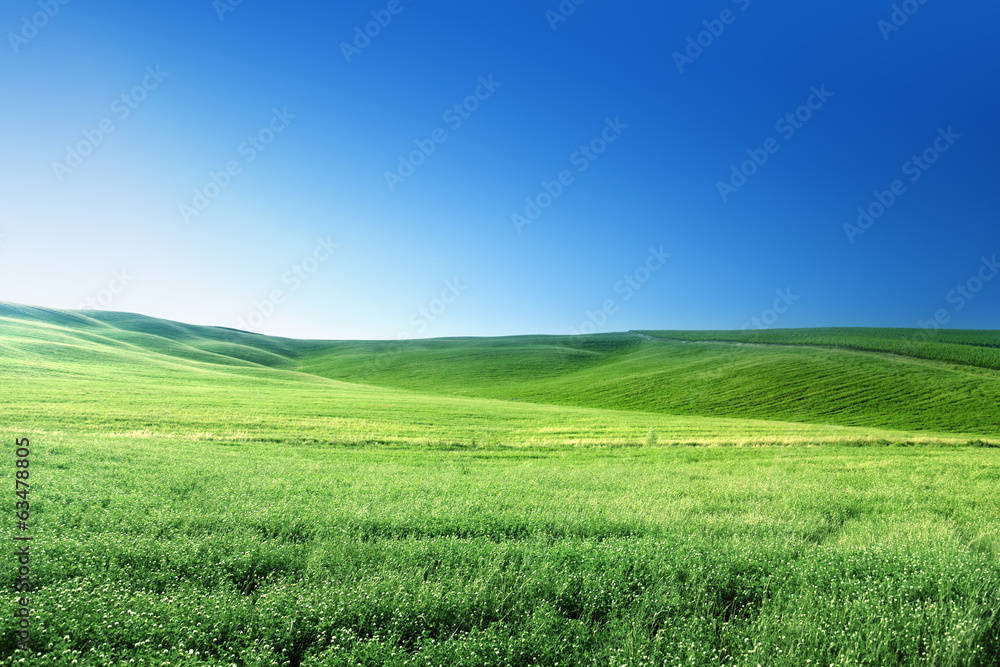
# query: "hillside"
961 346
164 375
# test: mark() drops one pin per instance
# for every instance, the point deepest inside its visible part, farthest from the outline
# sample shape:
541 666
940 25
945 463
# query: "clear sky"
378 169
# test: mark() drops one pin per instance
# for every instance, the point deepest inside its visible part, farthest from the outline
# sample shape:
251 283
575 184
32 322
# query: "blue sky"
497 168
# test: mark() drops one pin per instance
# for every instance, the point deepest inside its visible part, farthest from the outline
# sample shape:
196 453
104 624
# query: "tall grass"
155 551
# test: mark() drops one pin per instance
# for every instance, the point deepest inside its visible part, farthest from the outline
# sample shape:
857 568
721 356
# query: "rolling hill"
122 372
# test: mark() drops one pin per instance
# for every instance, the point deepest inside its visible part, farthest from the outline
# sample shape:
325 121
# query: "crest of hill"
215 345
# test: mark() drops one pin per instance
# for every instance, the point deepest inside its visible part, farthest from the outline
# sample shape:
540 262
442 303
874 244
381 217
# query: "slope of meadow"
70 376
959 346
807 384
629 375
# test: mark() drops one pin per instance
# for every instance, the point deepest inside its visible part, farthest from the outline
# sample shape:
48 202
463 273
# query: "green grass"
794 384
88 377
281 554
208 496
628 373
960 346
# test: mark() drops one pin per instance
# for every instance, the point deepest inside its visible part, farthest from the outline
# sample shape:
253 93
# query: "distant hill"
876 379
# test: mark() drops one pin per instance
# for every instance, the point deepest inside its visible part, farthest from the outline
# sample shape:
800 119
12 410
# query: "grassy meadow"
209 497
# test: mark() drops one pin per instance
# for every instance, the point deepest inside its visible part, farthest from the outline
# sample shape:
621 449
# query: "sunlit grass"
319 554
207 497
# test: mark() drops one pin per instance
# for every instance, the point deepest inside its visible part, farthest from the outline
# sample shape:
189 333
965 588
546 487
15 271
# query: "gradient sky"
437 253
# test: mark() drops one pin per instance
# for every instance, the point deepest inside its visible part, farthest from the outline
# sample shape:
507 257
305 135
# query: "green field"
208 496
968 347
